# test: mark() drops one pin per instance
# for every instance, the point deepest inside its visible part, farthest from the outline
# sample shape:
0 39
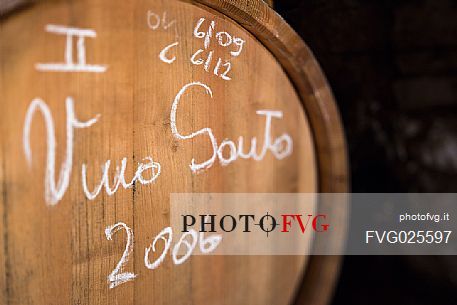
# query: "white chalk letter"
69 65
174 130
54 191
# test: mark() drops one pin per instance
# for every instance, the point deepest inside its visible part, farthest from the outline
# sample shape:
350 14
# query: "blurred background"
392 66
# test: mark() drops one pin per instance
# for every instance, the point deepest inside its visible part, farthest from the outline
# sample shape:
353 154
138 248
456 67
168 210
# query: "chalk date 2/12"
118 276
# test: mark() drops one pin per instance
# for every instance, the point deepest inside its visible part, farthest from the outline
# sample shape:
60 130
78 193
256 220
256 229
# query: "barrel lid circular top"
109 107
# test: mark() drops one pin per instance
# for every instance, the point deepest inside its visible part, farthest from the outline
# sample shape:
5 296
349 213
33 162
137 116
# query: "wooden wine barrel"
155 88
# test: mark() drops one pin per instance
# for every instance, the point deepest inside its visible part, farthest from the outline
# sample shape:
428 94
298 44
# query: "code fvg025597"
407 237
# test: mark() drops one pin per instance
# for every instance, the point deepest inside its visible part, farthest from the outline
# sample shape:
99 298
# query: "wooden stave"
305 74
320 107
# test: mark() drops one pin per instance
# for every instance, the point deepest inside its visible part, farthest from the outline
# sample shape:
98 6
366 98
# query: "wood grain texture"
59 255
269 2
318 102
7 6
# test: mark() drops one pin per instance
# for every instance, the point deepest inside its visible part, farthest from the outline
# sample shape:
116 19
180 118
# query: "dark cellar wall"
392 66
